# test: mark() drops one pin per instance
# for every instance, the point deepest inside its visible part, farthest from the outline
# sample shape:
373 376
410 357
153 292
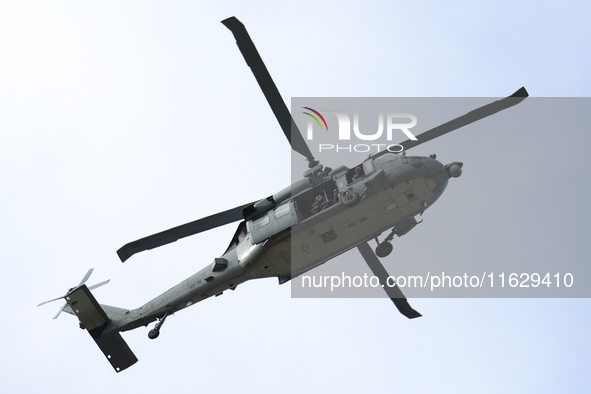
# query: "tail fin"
94 319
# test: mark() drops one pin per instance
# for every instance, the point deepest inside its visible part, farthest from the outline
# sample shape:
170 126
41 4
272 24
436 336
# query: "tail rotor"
83 281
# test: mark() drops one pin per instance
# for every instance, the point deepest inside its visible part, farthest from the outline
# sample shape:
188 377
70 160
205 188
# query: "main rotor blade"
176 233
258 68
470 117
394 292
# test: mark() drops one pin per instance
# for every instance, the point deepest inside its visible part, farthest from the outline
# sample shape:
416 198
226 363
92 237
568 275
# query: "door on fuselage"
316 200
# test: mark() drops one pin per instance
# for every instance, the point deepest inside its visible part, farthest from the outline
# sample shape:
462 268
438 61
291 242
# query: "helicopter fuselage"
317 218
295 236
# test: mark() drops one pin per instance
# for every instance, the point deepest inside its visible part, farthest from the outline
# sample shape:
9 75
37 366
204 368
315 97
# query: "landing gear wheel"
351 199
384 249
153 334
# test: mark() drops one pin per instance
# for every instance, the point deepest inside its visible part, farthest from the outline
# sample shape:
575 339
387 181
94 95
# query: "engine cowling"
266 204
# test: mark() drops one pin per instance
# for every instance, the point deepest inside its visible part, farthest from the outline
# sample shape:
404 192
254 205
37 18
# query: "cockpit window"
416 161
368 167
358 173
387 158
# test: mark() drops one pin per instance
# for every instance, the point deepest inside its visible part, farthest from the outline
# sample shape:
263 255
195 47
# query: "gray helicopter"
324 214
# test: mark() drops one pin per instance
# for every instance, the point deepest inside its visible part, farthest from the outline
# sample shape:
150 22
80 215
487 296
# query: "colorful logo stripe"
315 118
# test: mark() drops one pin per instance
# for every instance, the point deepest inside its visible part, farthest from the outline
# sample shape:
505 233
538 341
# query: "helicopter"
318 217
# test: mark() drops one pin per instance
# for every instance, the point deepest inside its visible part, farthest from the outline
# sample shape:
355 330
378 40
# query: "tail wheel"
153 334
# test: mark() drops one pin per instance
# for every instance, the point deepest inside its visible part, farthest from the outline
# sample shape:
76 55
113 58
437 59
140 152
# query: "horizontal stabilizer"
116 350
94 319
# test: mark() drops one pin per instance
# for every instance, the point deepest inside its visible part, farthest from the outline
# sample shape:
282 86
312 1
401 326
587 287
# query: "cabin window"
260 222
281 210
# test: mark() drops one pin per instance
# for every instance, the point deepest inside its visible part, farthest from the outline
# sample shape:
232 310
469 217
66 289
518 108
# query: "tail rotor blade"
99 284
47 302
83 281
60 311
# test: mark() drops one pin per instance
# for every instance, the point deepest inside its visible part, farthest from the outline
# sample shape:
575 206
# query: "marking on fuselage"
329 236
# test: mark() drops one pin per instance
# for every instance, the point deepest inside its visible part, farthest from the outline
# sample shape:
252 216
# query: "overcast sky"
119 121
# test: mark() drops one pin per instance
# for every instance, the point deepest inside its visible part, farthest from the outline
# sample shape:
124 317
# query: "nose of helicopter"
441 173
432 166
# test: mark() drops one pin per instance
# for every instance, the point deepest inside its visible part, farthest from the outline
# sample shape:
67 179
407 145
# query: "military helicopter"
327 212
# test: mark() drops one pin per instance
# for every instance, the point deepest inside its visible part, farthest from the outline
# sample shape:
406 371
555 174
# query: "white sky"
119 121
